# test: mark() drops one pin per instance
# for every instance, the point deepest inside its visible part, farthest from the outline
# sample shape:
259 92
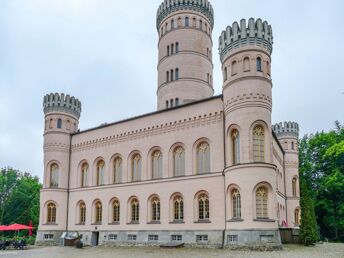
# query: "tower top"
55 102
255 33
289 129
169 6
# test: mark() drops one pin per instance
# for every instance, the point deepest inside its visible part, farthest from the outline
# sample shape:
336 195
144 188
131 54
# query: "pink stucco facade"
235 172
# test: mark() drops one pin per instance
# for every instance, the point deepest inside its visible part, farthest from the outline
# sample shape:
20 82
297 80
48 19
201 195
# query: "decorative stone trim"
55 102
114 223
289 129
170 6
177 222
264 220
162 129
235 220
133 223
153 222
256 33
202 221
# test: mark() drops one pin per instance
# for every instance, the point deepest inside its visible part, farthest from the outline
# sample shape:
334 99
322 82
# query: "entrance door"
95 238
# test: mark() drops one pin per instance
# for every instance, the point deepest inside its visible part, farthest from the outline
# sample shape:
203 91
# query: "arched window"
100 172
179 161
177 74
135 215
156 164
166 103
136 168
262 202
116 211
172 49
292 146
177 47
258 143
235 146
167 76
259 64
168 50
59 123
172 75
117 170
51 213
171 103
172 24
294 181
68 125
236 204
203 158
203 207
98 212
297 217
246 64
186 21
54 175
200 24
84 175
234 67
82 213
208 78
155 209
51 123
178 206
268 68
225 74
194 22
177 101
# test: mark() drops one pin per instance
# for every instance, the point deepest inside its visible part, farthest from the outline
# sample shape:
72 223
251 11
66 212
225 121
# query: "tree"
322 169
8 180
308 227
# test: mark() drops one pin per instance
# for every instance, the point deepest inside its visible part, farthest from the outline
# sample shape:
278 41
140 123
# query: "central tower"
185 68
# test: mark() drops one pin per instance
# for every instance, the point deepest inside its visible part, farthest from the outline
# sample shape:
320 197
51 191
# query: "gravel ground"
325 250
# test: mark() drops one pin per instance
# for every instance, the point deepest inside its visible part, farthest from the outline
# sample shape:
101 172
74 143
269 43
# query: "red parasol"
15 227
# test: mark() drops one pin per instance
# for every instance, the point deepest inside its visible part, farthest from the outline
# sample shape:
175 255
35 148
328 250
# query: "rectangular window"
176 238
112 237
153 237
232 239
48 236
132 237
201 238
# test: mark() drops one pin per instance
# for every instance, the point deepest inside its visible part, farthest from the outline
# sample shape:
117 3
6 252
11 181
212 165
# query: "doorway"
95 238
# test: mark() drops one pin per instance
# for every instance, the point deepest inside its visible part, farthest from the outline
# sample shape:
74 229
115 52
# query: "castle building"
201 170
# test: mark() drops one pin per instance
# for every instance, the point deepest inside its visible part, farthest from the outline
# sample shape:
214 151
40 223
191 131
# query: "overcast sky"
104 52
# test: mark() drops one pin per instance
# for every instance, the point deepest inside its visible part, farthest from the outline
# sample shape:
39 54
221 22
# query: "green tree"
8 181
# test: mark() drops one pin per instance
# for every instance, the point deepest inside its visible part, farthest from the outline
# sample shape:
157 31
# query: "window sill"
154 222
133 223
203 221
177 222
50 224
80 224
96 223
235 220
264 220
114 223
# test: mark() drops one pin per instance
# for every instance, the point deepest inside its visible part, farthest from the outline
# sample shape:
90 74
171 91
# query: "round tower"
288 135
245 51
185 68
62 114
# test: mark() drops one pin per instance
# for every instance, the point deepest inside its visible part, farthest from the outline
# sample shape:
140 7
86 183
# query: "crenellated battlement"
290 129
55 102
256 33
169 6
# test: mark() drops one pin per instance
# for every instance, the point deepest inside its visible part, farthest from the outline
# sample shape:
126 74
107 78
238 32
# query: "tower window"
172 24
166 103
200 24
171 103
225 73
259 64
167 76
177 47
168 50
59 123
172 49
186 21
177 101
177 74
172 76
208 80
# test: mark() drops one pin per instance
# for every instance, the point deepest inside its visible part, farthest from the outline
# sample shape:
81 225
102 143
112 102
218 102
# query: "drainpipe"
69 169
224 179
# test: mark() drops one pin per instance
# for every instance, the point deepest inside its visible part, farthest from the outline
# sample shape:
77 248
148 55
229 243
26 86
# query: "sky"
104 52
